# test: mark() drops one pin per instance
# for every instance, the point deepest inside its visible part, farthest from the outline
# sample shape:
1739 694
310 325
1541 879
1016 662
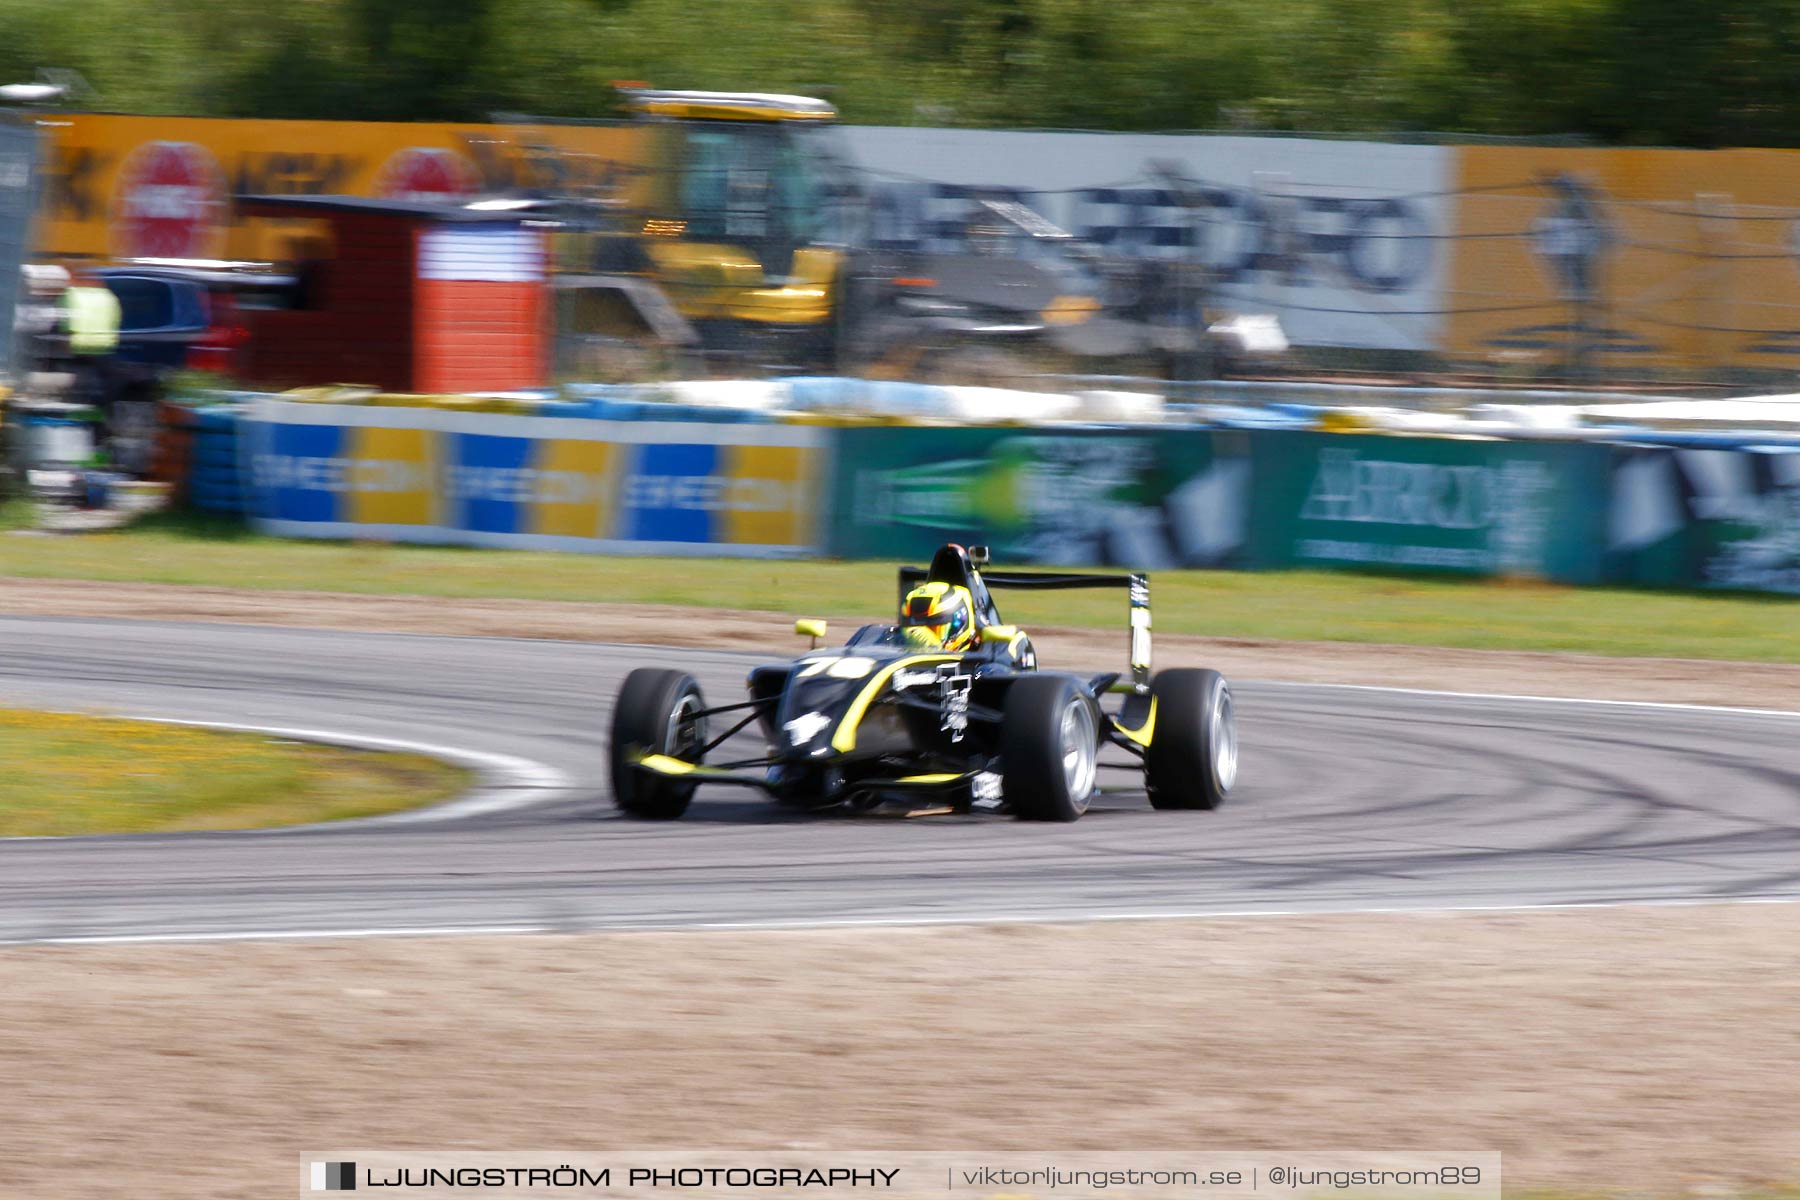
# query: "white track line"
1080 918
1791 714
507 780
281 935
852 923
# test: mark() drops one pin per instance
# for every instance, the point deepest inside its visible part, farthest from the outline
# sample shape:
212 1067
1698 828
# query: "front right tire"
656 713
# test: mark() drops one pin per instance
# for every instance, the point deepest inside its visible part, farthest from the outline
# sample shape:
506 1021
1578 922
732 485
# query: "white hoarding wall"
1346 242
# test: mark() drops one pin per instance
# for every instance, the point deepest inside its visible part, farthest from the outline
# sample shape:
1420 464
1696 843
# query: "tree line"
1644 72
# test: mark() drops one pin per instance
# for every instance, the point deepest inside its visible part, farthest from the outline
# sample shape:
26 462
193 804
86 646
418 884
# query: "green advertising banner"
1707 518
1573 512
1080 497
1461 506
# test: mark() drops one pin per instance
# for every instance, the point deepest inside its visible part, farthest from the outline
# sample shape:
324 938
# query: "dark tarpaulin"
18 199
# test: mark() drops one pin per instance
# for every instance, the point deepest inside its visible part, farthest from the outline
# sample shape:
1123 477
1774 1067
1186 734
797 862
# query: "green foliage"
1636 71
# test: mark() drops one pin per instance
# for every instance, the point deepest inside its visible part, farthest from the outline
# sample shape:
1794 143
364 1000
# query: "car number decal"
956 705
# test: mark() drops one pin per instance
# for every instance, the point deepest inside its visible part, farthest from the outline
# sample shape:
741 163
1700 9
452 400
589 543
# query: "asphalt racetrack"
1348 799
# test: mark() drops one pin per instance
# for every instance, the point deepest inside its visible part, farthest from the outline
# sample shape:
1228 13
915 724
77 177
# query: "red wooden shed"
410 297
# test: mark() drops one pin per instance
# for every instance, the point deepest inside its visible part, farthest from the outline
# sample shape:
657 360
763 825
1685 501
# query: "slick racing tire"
1192 758
655 714
1049 749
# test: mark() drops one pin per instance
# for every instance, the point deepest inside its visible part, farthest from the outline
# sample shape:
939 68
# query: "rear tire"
654 715
1191 762
1049 749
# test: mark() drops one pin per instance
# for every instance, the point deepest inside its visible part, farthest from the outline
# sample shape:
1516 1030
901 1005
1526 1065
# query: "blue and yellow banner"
532 482
530 486
332 474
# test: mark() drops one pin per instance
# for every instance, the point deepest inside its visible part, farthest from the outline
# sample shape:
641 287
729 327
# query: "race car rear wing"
1137 587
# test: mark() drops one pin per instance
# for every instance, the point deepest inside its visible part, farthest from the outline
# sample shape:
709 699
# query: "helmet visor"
945 617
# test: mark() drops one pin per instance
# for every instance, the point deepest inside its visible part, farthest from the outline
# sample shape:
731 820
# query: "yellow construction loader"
741 231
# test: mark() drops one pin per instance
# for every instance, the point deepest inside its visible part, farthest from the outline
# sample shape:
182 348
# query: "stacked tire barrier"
630 470
198 453
216 481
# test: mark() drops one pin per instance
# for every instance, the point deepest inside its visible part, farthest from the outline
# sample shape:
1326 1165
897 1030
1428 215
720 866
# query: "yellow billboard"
134 187
1666 259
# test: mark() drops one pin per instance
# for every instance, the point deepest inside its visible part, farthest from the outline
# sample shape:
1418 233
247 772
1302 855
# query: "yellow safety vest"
93 314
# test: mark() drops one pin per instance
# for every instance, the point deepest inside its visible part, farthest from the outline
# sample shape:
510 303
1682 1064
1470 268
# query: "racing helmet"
937 615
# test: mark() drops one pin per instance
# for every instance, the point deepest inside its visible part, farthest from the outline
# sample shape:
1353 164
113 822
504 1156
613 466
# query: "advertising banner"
1343 241
162 187
1429 504
1706 518
1573 512
423 475
1080 497
1226 499
1625 257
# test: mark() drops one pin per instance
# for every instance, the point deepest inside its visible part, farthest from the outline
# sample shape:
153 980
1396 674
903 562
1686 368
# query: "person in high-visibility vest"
91 315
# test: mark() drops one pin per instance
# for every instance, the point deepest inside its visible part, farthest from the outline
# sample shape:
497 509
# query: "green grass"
1305 605
18 513
63 774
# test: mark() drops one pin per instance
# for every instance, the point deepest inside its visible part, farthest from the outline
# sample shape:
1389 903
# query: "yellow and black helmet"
939 616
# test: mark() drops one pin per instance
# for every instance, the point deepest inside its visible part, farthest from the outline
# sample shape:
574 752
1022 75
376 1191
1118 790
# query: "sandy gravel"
1691 681
1622 1050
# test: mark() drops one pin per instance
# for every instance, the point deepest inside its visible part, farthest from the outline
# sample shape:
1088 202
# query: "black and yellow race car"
944 709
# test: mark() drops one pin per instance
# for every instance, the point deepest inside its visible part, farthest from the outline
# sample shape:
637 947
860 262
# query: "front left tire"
656 713
1049 749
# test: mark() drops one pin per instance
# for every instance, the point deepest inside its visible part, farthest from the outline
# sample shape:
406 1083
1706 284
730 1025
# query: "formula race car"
944 709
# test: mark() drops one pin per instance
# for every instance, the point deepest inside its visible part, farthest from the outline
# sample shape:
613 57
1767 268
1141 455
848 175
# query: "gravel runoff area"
1632 1050
1644 1051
